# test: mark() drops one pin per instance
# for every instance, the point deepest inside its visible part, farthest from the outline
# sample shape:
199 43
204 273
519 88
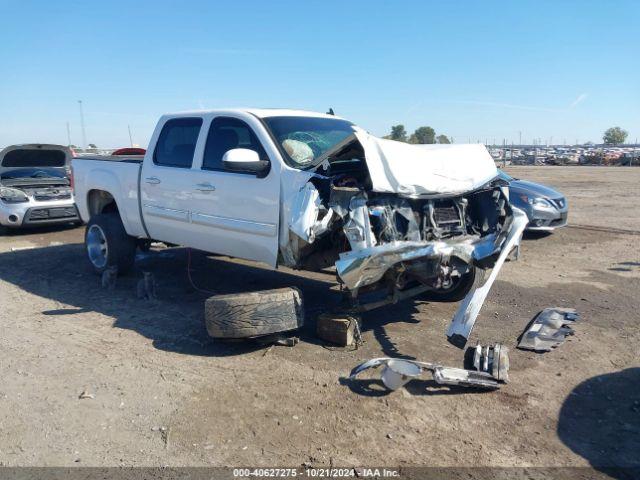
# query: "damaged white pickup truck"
308 191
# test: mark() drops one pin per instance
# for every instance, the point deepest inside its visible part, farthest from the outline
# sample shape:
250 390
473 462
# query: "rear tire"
108 244
458 290
245 315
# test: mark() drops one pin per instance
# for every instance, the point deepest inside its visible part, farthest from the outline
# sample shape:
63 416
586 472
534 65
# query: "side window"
177 142
225 134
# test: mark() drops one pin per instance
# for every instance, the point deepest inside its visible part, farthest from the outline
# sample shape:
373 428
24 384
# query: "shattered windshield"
304 140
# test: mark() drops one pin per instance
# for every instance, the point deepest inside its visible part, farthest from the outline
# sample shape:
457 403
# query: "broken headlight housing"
12 195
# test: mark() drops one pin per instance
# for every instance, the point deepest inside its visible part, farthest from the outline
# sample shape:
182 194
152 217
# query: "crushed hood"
415 170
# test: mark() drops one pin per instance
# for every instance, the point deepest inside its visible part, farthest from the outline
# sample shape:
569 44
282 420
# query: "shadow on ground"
373 387
535 234
600 421
175 321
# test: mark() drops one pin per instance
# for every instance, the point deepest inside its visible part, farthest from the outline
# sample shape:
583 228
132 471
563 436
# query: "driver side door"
234 213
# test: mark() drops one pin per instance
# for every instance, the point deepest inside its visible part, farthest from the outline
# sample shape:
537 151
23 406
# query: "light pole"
130 137
84 135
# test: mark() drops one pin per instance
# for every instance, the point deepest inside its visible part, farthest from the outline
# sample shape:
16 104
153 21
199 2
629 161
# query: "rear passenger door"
167 180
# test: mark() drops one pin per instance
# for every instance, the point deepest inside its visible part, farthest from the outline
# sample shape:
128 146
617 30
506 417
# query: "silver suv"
35 186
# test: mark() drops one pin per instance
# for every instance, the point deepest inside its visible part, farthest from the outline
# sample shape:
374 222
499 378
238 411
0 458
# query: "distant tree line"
421 135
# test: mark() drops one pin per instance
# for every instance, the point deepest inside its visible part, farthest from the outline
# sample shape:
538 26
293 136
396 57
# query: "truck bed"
112 158
118 175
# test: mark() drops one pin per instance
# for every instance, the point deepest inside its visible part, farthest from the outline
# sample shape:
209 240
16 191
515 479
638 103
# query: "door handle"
205 187
152 180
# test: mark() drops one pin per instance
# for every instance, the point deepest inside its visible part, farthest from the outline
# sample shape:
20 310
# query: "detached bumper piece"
465 318
493 360
549 329
51 214
492 367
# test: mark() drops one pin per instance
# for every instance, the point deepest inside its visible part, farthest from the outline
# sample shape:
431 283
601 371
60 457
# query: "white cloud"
579 99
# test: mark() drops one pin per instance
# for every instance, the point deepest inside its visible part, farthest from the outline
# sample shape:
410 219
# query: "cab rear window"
177 142
34 158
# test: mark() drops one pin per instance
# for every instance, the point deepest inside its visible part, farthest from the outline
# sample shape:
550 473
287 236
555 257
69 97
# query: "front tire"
458 290
108 245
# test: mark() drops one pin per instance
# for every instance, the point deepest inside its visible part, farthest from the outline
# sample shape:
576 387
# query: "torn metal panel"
304 212
397 372
549 329
464 378
293 191
396 220
368 265
304 219
357 227
467 313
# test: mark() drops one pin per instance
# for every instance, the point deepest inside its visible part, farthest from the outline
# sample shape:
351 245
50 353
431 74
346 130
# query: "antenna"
130 137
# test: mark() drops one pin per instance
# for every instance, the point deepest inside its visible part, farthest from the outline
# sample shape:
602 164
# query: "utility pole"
84 134
130 137
68 135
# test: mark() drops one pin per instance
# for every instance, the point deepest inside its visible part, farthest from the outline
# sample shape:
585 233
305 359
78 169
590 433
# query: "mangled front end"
394 217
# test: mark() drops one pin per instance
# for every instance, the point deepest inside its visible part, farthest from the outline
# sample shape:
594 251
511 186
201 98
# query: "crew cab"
307 191
35 186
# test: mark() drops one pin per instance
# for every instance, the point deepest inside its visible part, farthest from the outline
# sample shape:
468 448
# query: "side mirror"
243 160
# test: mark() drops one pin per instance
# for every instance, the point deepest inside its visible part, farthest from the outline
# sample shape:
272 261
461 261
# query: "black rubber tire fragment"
253 314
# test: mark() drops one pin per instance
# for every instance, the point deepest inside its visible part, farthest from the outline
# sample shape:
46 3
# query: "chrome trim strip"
163 212
234 224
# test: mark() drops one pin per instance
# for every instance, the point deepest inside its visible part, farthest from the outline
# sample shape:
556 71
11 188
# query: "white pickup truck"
307 191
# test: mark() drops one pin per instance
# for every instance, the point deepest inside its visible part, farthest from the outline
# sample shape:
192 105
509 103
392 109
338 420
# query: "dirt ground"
164 393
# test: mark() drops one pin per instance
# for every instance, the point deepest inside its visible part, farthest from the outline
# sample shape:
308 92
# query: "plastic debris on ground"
492 367
550 328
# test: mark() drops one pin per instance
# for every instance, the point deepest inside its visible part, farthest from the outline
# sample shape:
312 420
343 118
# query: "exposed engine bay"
391 241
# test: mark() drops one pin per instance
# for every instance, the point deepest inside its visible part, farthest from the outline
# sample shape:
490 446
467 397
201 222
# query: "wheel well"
99 201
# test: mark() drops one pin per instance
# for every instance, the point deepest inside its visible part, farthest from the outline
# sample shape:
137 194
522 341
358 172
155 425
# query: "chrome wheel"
97 248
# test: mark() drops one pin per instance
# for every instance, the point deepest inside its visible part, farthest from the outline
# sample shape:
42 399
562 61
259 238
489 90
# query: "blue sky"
470 69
